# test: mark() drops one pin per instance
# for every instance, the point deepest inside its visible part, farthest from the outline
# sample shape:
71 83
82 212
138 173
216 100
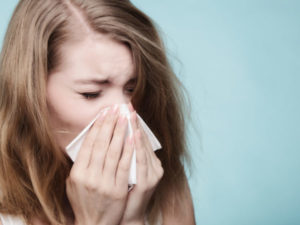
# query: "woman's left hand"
149 173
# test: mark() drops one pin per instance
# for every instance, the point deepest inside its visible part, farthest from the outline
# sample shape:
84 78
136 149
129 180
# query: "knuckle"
119 195
107 191
160 171
149 187
113 153
106 126
153 182
88 144
100 138
143 188
118 135
75 177
91 186
124 167
112 118
100 143
103 189
119 127
98 124
141 160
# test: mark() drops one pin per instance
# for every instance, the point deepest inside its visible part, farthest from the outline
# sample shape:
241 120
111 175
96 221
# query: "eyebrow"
99 81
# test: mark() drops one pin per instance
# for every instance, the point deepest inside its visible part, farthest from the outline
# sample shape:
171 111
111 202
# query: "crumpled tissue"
74 146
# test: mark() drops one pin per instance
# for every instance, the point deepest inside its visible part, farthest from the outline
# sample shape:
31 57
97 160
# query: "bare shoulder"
183 213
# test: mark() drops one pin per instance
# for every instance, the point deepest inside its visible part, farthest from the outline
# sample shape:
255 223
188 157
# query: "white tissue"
73 148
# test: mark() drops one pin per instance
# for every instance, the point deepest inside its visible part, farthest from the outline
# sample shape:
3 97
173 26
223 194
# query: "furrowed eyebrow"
99 81
92 81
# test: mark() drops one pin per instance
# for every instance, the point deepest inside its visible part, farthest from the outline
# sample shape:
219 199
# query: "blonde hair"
33 168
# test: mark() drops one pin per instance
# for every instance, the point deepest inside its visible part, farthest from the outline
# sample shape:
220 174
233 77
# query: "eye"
90 95
130 89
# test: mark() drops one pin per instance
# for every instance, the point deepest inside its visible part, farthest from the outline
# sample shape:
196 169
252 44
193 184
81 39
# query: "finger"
141 158
153 163
147 146
154 159
102 142
115 148
148 150
123 169
141 153
133 118
84 155
130 106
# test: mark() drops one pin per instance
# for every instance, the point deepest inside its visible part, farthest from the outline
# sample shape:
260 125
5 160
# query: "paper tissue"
73 148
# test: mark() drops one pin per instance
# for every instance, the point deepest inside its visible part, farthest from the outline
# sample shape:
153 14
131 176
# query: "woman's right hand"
97 186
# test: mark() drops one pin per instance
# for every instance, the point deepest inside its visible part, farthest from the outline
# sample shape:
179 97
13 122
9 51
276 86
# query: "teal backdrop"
240 61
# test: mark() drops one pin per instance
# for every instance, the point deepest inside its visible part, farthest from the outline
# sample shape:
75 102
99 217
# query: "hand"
149 173
97 187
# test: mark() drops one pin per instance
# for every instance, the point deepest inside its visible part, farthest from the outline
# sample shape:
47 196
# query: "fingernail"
130 107
123 119
105 112
131 139
102 115
115 108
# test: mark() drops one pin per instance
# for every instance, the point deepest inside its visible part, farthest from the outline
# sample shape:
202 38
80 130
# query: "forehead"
97 58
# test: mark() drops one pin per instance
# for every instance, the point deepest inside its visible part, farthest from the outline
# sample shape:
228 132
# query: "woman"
62 62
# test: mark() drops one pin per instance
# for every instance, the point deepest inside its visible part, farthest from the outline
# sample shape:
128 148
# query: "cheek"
68 110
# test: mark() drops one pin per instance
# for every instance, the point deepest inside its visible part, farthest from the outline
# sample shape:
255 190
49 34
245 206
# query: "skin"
94 58
101 169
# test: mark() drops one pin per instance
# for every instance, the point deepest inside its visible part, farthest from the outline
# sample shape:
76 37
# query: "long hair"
33 168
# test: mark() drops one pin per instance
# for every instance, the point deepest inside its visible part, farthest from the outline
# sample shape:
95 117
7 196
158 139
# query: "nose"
117 97
120 98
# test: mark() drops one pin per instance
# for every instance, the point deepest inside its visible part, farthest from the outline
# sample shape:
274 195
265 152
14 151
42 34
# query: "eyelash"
96 94
90 95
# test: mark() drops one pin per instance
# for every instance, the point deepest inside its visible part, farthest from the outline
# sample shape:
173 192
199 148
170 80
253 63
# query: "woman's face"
95 73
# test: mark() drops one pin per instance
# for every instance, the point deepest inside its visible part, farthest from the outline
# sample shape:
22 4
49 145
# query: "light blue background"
240 60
